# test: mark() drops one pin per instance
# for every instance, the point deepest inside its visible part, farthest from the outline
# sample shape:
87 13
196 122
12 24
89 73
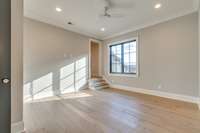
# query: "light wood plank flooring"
110 111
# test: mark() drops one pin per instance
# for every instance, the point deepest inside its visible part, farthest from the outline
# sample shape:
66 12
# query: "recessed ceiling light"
103 29
157 6
58 9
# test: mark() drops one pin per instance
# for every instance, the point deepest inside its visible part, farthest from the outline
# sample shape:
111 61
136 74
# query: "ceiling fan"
109 15
108 6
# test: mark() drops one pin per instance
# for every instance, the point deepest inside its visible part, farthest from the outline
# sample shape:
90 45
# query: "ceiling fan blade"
111 16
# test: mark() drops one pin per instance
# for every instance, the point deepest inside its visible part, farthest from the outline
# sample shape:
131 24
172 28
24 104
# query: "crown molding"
146 25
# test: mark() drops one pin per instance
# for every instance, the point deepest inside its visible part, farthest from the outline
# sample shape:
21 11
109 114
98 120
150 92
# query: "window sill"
124 75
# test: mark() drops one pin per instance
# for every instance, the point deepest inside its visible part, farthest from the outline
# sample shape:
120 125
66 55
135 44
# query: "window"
123 58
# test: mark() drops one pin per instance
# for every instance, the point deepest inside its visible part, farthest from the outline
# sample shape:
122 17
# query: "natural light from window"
73 77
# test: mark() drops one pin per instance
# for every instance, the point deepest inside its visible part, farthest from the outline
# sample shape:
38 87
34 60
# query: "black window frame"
122 57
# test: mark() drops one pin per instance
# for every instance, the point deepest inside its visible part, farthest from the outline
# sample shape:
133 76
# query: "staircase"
98 83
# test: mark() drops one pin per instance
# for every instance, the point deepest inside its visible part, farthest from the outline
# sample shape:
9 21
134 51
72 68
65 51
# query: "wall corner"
199 53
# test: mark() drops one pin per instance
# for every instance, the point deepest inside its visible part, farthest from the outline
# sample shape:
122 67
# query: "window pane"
129 57
124 58
119 68
118 48
133 67
126 68
126 48
113 50
116 68
116 59
132 57
133 46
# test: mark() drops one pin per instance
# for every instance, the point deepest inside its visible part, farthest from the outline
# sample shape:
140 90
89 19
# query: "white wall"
48 52
168 57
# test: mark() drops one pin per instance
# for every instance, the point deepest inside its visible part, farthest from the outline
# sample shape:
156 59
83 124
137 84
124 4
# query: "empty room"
100 66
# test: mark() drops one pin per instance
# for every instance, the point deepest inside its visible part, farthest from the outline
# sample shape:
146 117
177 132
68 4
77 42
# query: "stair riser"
97 84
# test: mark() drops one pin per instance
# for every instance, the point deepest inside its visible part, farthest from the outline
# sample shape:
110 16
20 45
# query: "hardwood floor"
110 111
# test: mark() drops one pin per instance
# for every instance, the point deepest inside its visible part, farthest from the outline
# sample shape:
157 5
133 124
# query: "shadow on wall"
72 78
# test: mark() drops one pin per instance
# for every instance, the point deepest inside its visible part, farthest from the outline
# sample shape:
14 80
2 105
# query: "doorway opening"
95 59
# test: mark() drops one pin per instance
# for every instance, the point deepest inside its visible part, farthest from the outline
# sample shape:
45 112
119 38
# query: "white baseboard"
17 127
179 97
